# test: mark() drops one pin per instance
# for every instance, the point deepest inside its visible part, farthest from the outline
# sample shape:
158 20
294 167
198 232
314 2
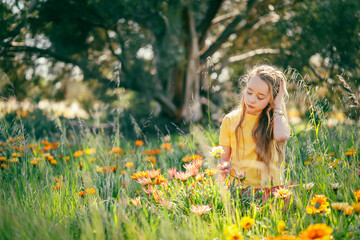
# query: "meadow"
92 185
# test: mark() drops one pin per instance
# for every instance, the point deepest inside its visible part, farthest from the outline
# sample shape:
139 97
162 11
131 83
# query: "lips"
250 106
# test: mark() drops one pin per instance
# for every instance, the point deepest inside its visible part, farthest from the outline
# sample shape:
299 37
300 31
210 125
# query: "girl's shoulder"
236 113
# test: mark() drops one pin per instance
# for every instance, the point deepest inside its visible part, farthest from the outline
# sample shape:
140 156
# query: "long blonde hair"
264 128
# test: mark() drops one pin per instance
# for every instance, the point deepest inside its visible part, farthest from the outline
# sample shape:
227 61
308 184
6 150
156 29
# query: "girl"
253 135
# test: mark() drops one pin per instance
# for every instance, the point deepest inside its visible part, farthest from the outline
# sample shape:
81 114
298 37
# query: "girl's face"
257 95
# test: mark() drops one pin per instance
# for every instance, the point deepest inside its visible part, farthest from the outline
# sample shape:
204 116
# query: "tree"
160 47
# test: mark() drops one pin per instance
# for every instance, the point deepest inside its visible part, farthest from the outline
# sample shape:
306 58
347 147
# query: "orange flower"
129 164
139 175
58 186
357 195
356 206
182 176
160 179
166 146
172 172
78 153
318 231
47 148
2 159
144 181
82 193
191 158
46 143
122 172
319 205
152 152
139 143
116 150
90 190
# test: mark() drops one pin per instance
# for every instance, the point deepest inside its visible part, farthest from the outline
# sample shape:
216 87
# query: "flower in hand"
217 151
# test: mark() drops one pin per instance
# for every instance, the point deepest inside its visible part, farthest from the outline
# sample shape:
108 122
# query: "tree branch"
203 27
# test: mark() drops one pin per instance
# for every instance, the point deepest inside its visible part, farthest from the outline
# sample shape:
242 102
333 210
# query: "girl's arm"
224 162
281 125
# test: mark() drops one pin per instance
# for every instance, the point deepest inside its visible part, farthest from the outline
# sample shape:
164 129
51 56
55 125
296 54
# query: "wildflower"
348 210
13 160
78 153
90 151
90 190
350 152
199 176
154 173
45 143
15 155
181 144
210 172
116 150
200 209
160 179
122 172
319 205
166 146
331 154
129 164
67 158
197 162
172 172
233 233
58 186
144 181
136 201
81 165
92 159
167 138
182 176
282 193
82 193
53 162
152 152
166 203
139 175
357 195
317 231
139 143
356 206
247 222
308 186
191 169
2 159
157 196
339 205
3 166
217 151
34 161
335 186
307 163
281 226
311 158
240 175
150 159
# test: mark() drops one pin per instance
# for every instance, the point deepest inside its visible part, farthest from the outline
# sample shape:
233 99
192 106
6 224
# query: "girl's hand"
280 95
225 169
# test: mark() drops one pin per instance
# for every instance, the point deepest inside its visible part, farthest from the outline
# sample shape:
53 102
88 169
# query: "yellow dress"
256 174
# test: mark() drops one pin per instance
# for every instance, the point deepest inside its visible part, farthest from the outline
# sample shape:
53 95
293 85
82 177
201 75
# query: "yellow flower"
13 160
307 163
160 179
15 155
282 193
92 159
154 173
166 146
90 151
247 222
200 209
2 159
233 233
144 181
53 162
281 226
217 151
319 200
357 195
356 206
136 201
318 231
129 164
311 210
210 172
339 205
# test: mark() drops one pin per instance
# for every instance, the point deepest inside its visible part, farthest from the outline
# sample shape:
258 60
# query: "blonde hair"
263 129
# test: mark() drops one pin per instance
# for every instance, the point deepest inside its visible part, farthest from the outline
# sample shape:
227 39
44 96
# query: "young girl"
254 134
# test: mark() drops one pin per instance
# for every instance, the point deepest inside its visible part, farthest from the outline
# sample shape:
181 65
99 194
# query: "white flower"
217 151
241 175
309 185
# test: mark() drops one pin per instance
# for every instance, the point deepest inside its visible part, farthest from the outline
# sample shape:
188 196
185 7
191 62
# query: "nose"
251 99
